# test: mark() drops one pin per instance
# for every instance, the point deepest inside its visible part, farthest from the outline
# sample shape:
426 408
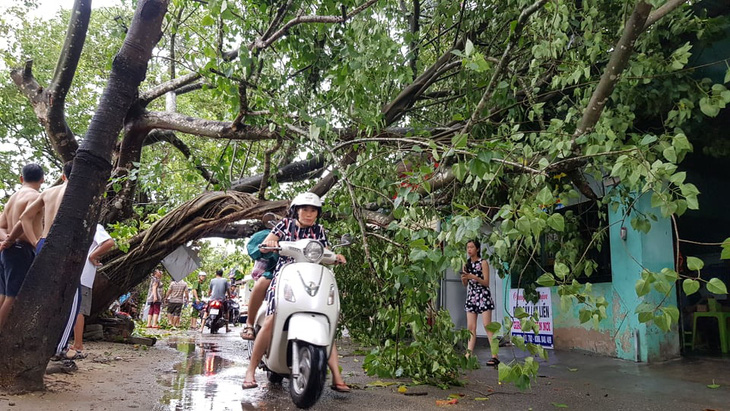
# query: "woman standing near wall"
475 276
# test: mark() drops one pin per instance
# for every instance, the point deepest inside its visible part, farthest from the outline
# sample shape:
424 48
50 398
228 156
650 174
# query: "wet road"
210 375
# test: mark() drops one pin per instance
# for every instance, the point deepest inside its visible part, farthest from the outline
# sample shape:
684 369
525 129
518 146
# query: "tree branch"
157 136
172 85
203 128
662 11
616 64
264 42
297 171
68 60
62 138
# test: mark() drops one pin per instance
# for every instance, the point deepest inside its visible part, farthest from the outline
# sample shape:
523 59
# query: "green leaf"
520 313
694 263
557 405
670 154
716 286
459 140
690 286
663 321
556 222
672 312
546 280
494 327
545 196
645 317
713 386
469 48
707 108
642 287
648 139
561 270
725 249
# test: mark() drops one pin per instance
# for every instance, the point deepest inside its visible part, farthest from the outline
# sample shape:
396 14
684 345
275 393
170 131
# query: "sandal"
248 333
341 387
493 362
75 355
247 385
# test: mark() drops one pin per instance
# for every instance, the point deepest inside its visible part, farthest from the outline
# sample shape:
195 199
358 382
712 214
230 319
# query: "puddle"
209 378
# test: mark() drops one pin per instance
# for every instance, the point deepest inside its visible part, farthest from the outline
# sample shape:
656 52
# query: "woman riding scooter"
304 212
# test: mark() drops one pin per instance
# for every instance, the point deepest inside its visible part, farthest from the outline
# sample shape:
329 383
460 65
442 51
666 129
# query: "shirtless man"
43 211
17 256
47 203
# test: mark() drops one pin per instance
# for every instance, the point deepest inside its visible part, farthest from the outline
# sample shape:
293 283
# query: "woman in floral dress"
475 276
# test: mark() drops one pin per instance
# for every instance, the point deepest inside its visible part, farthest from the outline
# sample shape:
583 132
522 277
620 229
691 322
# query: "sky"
48 8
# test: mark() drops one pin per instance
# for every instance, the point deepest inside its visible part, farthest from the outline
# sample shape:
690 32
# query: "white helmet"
202 274
307 198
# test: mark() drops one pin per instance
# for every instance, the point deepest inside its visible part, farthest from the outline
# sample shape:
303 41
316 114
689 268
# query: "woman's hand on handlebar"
340 259
268 246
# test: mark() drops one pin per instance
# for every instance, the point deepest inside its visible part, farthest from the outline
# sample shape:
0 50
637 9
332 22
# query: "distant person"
100 245
197 304
17 255
177 294
475 276
218 289
154 299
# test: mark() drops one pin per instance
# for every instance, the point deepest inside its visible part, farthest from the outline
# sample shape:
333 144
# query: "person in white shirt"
102 243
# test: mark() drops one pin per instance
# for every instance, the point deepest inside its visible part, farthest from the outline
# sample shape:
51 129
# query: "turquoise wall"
621 335
652 251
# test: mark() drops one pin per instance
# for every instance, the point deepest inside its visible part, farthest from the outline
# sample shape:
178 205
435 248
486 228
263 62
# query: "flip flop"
493 362
75 355
247 385
248 333
341 387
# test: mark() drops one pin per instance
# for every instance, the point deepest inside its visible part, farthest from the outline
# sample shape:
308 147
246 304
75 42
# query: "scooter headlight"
331 296
289 293
313 251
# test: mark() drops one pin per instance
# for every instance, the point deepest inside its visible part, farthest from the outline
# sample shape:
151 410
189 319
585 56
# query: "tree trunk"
35 323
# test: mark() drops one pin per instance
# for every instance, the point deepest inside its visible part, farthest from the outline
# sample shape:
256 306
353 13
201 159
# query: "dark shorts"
174 309
154 308
15 261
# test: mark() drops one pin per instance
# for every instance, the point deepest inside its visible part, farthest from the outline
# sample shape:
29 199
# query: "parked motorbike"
216 316
305 321
233 311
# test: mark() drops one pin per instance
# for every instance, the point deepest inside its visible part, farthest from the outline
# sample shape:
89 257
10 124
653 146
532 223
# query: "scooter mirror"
269 220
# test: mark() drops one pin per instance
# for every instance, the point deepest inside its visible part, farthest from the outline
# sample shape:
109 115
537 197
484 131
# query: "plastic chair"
720 316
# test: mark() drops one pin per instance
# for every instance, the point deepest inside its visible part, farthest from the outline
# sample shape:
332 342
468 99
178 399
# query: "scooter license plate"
214 311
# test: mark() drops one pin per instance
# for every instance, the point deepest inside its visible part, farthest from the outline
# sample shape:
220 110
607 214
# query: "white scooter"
305 321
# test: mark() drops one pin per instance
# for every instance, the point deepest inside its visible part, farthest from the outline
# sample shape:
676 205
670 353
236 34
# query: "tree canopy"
407 115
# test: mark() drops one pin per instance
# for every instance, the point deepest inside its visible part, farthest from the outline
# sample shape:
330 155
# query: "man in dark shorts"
17 256
177 294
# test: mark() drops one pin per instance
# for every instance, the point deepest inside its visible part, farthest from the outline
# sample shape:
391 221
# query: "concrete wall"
621 335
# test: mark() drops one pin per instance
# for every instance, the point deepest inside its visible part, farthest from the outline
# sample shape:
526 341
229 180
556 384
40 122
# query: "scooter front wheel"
306 389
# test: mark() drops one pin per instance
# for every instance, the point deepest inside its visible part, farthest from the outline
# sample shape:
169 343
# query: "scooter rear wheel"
306 389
